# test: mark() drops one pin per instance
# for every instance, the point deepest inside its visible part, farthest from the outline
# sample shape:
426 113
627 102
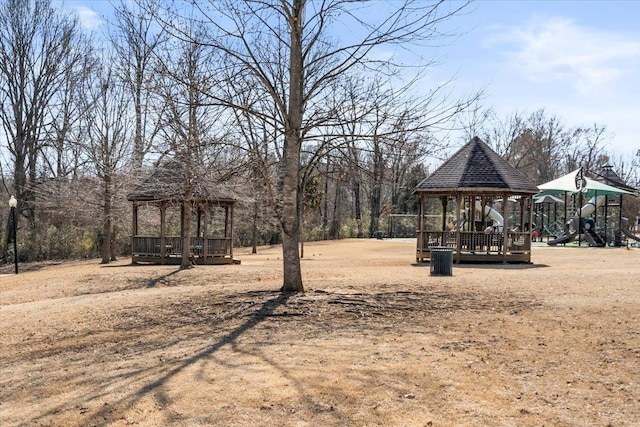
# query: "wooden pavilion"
166 189
477 205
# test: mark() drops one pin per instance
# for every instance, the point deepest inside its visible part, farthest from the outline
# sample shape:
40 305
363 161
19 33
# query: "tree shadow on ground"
266 310
144 282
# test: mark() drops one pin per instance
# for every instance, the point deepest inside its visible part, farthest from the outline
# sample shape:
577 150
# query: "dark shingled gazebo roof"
609 177
167 183
476 168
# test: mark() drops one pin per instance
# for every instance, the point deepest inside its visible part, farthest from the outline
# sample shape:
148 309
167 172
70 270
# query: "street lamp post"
12 204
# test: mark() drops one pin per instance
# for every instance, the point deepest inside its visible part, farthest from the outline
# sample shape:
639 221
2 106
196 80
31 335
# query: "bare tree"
38 47
541 146
136 41
588 148
387 132
61 155
286 46
258 137
188 125
107 144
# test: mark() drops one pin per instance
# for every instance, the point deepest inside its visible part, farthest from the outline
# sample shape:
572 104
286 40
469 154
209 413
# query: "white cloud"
559 49
89 19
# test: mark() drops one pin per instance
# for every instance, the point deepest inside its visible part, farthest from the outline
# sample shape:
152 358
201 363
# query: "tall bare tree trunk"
254 229
376 190
334 231
106 224
186 207
291 209
186 231
358 207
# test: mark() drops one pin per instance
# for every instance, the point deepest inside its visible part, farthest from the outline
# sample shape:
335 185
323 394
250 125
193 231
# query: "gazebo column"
231 231
472 213
420 225
134 226
163 244
226 221
205 230
483 209
134 220
458 240
199 215
505 228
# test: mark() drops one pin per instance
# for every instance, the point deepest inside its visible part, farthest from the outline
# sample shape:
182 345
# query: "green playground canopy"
575 182
598 188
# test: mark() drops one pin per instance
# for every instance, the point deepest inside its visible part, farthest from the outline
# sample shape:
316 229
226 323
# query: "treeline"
316 139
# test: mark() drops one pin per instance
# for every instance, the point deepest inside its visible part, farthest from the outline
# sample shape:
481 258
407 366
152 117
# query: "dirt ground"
374 341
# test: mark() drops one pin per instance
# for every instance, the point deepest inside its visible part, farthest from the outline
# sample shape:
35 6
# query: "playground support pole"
620 219
579 216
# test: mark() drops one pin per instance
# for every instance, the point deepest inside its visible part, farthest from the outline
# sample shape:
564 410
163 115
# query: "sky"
577 60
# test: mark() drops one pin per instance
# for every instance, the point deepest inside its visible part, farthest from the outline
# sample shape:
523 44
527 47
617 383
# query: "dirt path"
374 340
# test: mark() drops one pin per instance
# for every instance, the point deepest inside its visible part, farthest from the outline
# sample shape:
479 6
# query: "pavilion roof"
476 168
609 177
571 183
167 182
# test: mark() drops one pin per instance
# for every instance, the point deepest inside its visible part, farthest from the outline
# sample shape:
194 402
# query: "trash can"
441 262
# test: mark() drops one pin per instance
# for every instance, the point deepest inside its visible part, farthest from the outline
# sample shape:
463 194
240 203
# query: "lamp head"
13 202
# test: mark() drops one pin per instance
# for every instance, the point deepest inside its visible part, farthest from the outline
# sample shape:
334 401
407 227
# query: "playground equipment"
577 184
626 232
492 214
546 217
489 212
583 222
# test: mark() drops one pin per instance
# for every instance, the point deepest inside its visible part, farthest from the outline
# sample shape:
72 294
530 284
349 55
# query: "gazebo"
477 205
166 189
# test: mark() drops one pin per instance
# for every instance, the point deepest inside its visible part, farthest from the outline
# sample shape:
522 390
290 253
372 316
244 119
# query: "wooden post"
207 219
226 221
163 245
458 242
199 215
522 217
420 242
531 220
134 226
472 213
505 229
231 232
205 230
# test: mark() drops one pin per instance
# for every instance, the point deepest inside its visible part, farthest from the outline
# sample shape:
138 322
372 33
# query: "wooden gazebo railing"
165 189
206 250
463 195
477 245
